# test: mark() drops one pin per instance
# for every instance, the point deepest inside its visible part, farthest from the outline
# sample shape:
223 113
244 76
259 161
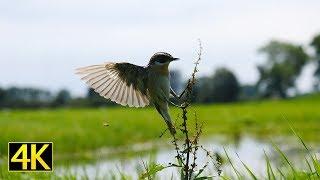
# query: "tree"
222 86
202 90
248 91
17 97
91 94
62 98
225 86
94 99
284 64
315 43
2 97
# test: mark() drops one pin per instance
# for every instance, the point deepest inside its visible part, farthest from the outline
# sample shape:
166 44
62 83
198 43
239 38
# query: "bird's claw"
184 105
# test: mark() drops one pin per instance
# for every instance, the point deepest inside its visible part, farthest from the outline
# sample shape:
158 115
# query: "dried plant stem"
192 80
188 170
186 151
187 141
195 144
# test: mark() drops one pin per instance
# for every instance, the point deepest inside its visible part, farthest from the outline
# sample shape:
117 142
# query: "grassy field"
82 130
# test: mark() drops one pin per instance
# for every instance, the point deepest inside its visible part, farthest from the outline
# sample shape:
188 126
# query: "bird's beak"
175 59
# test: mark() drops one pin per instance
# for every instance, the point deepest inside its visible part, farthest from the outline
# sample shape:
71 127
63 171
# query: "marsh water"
249 150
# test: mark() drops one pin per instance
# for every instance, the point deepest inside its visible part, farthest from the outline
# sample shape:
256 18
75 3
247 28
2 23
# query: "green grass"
286 171
78 131
81 130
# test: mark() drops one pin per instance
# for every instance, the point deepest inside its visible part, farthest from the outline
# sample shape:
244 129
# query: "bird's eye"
161 60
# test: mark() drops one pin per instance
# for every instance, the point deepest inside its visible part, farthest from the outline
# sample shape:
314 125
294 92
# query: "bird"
134 86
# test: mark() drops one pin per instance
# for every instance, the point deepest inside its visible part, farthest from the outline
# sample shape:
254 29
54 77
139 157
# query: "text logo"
30 156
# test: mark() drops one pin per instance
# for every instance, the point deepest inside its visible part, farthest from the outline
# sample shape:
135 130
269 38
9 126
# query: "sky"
43 41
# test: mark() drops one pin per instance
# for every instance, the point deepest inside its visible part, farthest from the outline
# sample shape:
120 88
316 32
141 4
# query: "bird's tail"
164 113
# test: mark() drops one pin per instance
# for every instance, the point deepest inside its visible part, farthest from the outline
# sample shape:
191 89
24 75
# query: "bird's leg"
172 103
182 104
174 93
178 96
182 93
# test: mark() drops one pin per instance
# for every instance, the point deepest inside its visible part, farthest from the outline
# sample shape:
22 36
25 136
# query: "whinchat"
132 85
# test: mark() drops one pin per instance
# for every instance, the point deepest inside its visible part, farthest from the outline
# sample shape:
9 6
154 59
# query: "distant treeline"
222 86
283 64
16 97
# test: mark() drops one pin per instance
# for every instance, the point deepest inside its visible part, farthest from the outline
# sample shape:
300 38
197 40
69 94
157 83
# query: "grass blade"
316 166
284 157
269 168
281 174
314 161
247 168
309 166
235 170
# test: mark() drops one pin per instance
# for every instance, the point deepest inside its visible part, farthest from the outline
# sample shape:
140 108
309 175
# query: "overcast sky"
42 42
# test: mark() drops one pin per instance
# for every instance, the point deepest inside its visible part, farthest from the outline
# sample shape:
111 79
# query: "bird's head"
161 59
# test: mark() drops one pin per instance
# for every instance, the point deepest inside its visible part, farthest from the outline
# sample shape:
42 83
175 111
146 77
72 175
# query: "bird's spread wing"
123 83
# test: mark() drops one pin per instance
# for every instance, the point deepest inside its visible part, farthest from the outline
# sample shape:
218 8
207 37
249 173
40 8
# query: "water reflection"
250 151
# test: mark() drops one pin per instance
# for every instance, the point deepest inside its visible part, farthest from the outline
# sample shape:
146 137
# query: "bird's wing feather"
123 83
